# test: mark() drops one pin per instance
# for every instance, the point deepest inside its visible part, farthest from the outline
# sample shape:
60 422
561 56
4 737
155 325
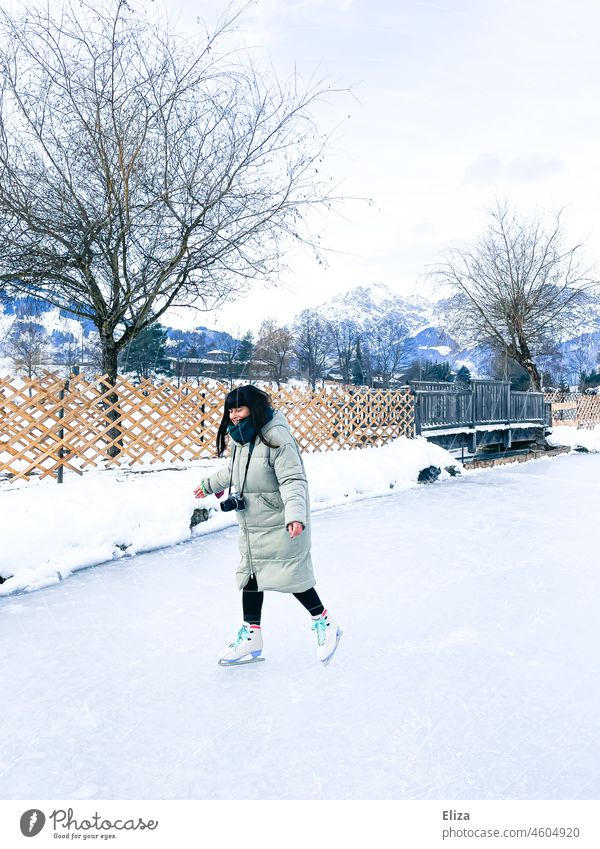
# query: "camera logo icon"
32 822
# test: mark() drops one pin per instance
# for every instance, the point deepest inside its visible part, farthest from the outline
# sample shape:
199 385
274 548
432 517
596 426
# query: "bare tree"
578 358
273 351
141 170
387 349
311 345
518 289
343 339
27 346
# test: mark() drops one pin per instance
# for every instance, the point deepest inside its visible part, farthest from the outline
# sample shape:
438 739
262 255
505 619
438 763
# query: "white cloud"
301 6
534 167
425 230
489 168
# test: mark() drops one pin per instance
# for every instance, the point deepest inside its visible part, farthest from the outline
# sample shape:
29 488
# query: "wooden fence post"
61 431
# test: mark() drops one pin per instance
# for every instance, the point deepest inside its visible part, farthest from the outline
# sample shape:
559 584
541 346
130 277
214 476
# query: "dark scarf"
244 431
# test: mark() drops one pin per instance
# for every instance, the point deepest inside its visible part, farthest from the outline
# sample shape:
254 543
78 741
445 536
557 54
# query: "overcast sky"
456 102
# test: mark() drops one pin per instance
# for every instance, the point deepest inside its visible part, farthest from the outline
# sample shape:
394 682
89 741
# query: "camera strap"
250 447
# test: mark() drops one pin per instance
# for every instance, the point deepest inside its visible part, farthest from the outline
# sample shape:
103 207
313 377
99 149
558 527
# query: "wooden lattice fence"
50 424
575 408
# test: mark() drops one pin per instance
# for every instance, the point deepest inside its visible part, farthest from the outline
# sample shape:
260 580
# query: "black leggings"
252 600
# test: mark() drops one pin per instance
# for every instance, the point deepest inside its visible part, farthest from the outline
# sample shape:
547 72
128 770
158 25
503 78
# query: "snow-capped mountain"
364 303
419 318
424 323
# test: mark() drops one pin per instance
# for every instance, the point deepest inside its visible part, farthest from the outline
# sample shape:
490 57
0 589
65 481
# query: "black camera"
235 501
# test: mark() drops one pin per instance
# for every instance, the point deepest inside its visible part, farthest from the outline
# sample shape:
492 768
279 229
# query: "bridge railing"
527 406
484 402
442 408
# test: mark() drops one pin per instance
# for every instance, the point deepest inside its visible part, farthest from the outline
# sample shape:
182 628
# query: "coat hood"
278 420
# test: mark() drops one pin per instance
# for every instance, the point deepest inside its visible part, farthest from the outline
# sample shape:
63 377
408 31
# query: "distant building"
217 364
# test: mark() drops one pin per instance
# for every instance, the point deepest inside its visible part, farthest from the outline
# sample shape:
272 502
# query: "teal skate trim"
242 635
320 626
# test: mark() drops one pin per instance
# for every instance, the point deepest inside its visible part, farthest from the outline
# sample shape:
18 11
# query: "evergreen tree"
415 371
244 353
563 386
146 354
438 371
463 377
358 371
547 380
589 379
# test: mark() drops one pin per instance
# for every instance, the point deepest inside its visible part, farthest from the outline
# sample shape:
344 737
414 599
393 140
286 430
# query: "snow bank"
575 438
6 364
51 530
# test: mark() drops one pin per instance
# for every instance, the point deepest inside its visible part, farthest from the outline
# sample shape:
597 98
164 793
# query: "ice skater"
267 488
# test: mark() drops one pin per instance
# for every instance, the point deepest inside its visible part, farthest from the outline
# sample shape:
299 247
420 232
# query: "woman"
267 480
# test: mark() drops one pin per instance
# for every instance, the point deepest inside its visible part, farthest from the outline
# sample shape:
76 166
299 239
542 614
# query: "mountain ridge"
421 320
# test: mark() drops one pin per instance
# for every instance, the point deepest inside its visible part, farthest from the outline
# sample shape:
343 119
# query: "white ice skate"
328 637
247 647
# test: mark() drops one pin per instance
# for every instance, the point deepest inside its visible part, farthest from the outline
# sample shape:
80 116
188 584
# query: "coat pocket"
273 500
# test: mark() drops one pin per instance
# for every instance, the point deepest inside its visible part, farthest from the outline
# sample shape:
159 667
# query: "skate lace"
320 626
242 635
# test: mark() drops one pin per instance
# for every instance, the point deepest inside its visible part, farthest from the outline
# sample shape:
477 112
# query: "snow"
575 437
466 669
510 426
444 350
6 364
108 515
447 431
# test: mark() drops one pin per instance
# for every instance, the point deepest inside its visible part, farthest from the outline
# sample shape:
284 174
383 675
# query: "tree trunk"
534 375
109 358
525 361
522 355
114 434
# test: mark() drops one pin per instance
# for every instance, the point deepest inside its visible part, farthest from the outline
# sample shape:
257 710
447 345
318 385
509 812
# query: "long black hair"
261 412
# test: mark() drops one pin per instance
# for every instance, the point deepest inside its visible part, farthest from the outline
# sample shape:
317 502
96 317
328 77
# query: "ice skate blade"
241 662
328 660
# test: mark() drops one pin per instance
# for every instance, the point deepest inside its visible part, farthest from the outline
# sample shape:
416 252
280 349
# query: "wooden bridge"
485 414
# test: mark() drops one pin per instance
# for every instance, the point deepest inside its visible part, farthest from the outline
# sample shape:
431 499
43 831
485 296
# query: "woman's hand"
295 529
199 492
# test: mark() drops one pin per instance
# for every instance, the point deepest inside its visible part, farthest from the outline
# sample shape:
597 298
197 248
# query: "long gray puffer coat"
276 493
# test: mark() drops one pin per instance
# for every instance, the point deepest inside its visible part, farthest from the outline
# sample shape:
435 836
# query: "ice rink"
468 668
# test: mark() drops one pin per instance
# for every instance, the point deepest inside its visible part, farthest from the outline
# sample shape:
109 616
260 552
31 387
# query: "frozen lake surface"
468 668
